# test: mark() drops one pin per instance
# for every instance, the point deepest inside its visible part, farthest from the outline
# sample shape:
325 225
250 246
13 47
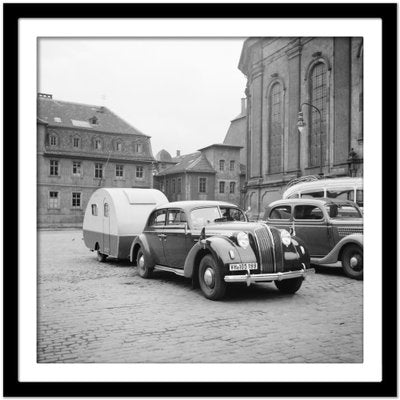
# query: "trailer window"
312 194
106 210
94 209
342 194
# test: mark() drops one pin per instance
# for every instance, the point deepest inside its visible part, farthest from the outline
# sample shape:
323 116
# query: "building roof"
163 156
66 114
194 162
226 146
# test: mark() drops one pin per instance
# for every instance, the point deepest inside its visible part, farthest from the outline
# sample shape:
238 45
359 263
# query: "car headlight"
285 237
242 239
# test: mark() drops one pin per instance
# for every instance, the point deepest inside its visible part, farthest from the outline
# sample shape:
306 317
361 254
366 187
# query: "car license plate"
242 266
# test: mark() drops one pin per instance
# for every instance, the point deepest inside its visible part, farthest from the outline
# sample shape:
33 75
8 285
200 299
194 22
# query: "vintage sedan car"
331 229
212 243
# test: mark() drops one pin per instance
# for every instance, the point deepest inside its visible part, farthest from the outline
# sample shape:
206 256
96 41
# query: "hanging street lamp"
301 125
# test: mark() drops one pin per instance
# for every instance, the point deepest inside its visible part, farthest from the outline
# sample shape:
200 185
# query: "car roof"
190 204
315 201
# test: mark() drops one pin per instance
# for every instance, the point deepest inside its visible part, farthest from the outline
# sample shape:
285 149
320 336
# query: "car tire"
211 280
143 268
352 261
101 257
289 286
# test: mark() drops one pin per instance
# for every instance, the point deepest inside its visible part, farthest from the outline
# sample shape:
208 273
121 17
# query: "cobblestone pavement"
104 312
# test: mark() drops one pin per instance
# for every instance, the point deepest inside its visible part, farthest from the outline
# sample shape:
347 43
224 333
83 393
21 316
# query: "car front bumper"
277 276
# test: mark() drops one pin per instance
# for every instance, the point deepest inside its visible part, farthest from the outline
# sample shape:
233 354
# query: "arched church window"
275 128
319 99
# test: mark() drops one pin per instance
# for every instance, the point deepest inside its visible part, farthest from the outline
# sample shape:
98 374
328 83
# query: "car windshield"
204 216
342 211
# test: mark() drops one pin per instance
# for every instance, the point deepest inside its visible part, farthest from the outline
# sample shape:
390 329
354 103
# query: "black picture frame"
11 15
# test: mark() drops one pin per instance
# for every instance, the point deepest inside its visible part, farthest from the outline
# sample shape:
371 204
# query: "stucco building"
282 74
212 173
81 148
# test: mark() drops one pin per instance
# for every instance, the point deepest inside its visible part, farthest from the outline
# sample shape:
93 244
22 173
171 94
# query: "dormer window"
118 146
93 120
138 147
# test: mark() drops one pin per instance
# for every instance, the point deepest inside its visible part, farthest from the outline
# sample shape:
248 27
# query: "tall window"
173 185
275 128
53 140
221 165
54 200
76 142
76 200
179 185
222 187
76 168
319 97
53 167
119 171
139 172
118 146
232 187
138 147
98 144
98 170
232 165
202 185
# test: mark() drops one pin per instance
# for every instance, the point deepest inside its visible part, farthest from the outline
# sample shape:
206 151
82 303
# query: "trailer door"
106 227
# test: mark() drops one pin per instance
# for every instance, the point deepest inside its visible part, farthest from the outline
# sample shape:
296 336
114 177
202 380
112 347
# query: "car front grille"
348 230
265 245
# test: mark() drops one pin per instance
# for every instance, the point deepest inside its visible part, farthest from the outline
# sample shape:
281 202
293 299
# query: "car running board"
169 269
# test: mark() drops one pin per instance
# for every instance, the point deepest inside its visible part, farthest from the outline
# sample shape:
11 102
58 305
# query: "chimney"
178 153
243 105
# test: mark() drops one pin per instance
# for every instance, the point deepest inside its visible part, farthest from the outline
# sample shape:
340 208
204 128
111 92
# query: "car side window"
176 217
280 212
310 194
158 218
308 212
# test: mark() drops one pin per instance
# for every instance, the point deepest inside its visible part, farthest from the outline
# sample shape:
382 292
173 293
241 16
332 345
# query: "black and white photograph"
198 170
199 202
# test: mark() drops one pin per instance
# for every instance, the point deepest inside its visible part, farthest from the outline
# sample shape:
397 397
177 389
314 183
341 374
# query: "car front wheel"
211 281
289 286
143 267
352 261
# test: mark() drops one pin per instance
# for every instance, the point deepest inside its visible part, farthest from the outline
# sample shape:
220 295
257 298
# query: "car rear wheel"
352 261
211 281
101 257
289 286
144 270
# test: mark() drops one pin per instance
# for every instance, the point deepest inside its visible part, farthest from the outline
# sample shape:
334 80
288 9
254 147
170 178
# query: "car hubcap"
141 262
209 278
355 262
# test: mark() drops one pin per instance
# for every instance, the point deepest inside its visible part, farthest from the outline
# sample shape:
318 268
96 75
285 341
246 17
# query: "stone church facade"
323 78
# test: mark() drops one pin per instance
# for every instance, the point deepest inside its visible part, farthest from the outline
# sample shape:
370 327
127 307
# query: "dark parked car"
212 243
331 229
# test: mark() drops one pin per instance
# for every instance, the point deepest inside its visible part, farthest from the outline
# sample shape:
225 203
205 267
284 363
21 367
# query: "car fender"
219 247
333 255
141 241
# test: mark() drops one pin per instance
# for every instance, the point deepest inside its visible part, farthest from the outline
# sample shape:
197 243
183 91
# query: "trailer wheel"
144 270
101 257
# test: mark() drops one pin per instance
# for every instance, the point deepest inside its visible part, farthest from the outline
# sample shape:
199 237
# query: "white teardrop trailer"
115 216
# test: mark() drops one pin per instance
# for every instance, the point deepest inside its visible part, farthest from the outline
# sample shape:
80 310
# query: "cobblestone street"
104 312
